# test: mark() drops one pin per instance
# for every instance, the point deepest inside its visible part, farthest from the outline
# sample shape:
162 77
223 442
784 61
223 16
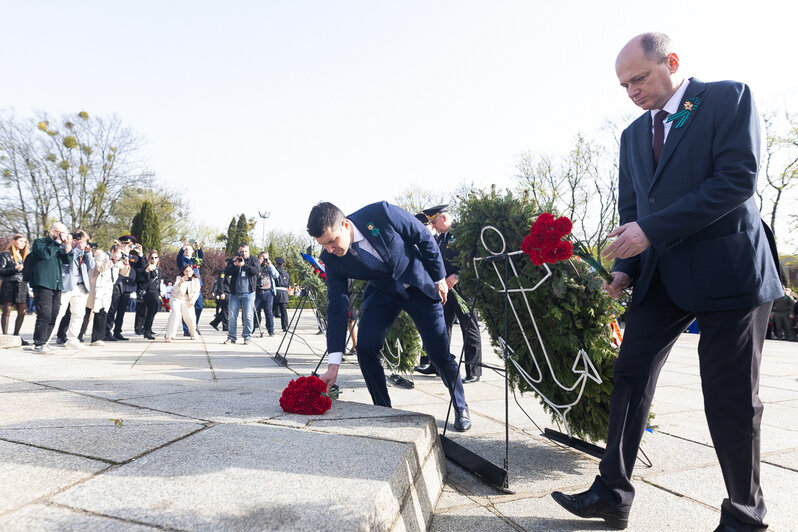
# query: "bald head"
647 68
58 231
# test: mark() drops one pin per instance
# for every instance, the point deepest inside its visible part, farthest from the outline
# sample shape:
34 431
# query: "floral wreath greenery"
571 307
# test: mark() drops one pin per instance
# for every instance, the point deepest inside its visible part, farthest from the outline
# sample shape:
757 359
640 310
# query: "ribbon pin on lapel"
375 231
689 106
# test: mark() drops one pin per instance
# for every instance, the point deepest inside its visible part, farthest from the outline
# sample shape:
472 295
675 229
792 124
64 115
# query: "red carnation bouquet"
306 395
548 241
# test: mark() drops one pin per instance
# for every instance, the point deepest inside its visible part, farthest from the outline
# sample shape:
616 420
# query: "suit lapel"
675 135
375 240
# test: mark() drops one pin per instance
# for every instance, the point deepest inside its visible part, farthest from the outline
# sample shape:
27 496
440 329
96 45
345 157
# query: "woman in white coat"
184 294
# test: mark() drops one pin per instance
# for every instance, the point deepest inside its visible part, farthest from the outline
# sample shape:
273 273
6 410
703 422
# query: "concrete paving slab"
788 460
654 509
104 440
30 473
669 453
13 385
706 486
274 479
693 426
469 519
43 517
216 404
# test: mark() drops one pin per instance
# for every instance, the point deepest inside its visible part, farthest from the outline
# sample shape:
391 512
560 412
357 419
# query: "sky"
248 106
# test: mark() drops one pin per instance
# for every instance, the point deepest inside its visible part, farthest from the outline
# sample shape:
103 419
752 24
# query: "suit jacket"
697 206
404 245
78 270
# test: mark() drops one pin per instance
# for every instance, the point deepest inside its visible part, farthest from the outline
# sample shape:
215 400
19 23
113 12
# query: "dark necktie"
375 264
371 262
659 135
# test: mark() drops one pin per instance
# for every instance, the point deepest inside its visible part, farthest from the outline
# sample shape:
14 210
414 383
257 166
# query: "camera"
93 245
76 236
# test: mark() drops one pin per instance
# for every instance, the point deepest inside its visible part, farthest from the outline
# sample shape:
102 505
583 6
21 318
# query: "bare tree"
581 185
415 199
779 165
74 169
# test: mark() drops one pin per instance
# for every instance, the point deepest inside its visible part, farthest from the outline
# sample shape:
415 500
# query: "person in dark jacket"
282 282
264 298
242 273
221 293
150 283
14 290
49 254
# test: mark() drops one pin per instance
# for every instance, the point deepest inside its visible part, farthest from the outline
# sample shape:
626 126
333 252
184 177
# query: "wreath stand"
290 331
493 474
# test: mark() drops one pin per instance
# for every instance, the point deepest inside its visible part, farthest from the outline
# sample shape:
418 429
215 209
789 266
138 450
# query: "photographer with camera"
123 287
188 255
242 273
48 255
76 280
264 294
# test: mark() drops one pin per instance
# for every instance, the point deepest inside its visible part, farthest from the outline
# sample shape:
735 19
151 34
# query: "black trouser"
48 303
63 325
221 313
281 310
141 313
116 314
150 304
85 324
98 330
265 301
729 353
472 341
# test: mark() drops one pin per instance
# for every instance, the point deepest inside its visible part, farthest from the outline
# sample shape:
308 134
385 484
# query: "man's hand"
443 289
619 283
68 242
330 376
221 296
452 280
631 241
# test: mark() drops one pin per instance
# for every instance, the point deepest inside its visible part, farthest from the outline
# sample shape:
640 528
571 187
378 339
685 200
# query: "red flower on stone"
546 241
306 395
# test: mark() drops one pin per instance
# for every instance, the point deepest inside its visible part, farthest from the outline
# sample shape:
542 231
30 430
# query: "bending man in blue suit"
396 254
693 244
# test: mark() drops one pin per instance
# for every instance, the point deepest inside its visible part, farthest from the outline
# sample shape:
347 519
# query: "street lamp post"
263 215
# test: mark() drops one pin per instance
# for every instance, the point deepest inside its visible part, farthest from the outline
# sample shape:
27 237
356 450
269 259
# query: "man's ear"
673 62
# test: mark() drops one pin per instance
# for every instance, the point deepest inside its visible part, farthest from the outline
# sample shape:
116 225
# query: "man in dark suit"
692 242
397 255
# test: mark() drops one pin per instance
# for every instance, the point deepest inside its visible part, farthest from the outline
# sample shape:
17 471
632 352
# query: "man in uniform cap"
281 284
442 221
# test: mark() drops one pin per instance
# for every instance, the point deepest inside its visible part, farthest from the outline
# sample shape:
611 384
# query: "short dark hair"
324 216
657 46
243 245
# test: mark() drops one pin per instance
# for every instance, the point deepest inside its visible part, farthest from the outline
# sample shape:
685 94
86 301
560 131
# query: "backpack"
27 267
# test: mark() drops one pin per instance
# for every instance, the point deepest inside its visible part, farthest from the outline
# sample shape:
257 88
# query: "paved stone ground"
152 387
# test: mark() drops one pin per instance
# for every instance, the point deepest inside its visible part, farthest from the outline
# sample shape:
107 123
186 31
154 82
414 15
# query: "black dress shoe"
462 420
60 341
110 338
149 336
588 504
214 325
186 334
470 379
429 369
729 528
119 337
25 342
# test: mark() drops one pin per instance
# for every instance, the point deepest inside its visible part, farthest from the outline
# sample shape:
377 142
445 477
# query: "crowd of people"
74 284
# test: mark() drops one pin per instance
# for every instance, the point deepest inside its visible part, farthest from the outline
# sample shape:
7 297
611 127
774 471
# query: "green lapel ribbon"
375 231
689 106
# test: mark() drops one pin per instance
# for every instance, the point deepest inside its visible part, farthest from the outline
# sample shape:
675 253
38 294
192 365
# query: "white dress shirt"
672 107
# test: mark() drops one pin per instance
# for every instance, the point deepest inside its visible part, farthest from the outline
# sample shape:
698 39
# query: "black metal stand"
496 476
290 331
352 301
